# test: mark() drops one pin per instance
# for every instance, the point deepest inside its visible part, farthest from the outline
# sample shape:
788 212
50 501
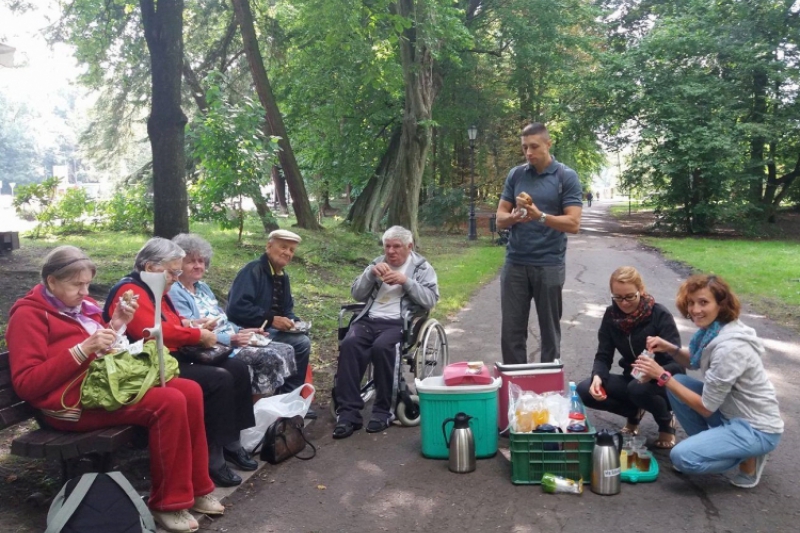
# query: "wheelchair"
423 350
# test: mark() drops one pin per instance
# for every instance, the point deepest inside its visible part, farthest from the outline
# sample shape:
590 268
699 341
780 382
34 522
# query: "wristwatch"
543 217
663 378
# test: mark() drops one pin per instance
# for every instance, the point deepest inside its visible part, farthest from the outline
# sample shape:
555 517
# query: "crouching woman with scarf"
732 416
632 317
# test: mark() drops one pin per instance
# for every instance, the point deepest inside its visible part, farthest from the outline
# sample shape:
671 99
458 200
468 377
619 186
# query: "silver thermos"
605 463
461 444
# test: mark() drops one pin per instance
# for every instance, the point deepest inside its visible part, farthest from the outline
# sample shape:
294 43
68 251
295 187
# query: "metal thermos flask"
461 444
605 463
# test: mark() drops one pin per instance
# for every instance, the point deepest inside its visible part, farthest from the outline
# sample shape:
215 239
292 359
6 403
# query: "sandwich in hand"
525 197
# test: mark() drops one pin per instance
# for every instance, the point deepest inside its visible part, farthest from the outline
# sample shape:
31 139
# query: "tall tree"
294 179
163 30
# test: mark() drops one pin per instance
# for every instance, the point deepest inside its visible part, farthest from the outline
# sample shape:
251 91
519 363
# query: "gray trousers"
518 285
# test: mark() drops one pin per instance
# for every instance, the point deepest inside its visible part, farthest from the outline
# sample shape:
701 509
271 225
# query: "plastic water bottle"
576 410
635 373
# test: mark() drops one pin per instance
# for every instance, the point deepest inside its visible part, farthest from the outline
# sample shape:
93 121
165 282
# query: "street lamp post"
472 132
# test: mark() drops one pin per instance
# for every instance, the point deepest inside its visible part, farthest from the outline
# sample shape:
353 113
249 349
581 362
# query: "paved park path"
380 482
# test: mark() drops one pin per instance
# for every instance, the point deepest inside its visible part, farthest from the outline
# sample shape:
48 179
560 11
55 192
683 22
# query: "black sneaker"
224 477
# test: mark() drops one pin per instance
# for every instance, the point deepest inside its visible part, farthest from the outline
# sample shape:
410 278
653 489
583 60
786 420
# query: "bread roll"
526 198
127 296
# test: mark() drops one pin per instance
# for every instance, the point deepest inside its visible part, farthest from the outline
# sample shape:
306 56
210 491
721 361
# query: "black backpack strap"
61 510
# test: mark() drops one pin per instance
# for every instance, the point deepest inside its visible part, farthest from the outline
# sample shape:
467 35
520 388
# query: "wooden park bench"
65 446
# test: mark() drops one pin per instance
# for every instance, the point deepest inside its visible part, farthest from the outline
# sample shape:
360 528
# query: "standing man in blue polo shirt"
541 202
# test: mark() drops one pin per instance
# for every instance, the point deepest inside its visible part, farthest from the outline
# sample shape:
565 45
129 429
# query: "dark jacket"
610 339
250 297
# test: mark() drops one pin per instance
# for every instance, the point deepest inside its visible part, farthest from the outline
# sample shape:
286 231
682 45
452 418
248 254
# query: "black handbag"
283 439
203 356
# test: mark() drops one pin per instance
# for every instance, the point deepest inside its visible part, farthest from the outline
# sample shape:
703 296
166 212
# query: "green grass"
764 273
636 206
325 265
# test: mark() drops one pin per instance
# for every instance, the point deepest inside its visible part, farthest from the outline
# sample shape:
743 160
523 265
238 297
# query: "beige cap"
285 235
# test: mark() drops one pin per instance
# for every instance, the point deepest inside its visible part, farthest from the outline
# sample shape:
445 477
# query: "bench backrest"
12 409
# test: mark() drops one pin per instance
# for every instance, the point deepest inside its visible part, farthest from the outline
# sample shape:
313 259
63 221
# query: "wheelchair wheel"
408 415
432 354
367 390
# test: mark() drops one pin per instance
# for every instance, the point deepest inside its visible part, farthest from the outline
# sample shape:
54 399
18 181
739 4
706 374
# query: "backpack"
99 503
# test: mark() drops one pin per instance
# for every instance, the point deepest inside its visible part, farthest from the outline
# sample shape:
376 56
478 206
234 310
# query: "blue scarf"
700 340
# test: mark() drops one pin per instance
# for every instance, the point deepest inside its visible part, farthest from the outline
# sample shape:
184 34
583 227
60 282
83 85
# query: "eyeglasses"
174 273
626 298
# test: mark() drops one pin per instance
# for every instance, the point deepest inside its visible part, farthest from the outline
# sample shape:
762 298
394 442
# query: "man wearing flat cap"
261 296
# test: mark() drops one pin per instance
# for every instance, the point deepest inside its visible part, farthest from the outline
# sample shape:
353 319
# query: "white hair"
157 250
399 233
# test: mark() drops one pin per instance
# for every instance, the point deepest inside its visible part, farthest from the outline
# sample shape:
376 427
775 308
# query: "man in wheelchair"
398 281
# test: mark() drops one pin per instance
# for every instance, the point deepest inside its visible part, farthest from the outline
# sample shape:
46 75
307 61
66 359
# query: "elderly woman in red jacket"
54 333
228 404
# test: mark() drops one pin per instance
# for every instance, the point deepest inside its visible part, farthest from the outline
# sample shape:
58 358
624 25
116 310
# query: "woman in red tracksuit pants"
54 332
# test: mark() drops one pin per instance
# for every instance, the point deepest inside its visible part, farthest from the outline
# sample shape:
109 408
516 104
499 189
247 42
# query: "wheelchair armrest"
349 308
409 321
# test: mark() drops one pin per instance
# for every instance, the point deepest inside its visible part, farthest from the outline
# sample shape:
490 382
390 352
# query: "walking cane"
157 281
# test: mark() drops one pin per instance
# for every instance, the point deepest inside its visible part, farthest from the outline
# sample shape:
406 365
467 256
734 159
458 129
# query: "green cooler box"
438 402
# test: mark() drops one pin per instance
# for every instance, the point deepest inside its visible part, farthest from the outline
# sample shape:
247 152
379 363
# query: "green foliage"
19 158
234 157
447 209
130 209
707 94
54 214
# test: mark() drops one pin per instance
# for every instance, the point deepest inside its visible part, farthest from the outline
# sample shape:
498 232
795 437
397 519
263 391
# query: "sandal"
633 429
666 439
345 429
376 426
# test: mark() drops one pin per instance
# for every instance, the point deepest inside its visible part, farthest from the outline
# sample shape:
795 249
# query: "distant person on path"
589 198
261 297
628 322
598 196
732 416
540 203
398 281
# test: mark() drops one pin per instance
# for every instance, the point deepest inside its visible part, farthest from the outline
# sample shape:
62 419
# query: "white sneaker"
208 504
176 521
745 481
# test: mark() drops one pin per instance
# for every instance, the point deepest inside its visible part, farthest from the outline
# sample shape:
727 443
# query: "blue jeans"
715 444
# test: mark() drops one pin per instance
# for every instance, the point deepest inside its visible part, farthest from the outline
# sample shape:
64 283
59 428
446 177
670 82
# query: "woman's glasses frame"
626 298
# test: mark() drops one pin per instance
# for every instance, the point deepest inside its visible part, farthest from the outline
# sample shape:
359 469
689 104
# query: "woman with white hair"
269 365
226 387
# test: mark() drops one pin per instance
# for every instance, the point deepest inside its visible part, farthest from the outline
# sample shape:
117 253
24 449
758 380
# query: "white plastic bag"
268 410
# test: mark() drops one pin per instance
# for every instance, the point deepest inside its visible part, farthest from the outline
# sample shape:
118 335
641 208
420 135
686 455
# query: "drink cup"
631 459
643 460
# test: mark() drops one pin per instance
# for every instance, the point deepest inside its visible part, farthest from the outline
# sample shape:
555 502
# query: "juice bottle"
525 422
540 416
623 460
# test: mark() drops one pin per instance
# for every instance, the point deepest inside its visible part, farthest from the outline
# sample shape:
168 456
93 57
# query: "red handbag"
465 373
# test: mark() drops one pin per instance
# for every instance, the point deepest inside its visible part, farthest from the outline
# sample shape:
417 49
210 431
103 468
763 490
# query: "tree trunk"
300 203
368 209
163 30
264 213
279 185
420 92
757 116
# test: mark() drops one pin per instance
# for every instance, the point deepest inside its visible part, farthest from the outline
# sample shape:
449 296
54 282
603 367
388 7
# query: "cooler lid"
436 384
555 365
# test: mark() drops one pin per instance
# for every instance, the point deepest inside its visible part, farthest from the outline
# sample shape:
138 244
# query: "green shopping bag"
121 378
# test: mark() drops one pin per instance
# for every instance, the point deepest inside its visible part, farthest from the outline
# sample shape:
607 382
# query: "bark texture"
163 30
300 203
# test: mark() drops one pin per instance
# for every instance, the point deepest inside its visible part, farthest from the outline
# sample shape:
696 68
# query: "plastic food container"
438 402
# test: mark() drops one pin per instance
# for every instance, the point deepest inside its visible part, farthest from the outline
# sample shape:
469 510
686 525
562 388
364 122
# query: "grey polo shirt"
533 243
